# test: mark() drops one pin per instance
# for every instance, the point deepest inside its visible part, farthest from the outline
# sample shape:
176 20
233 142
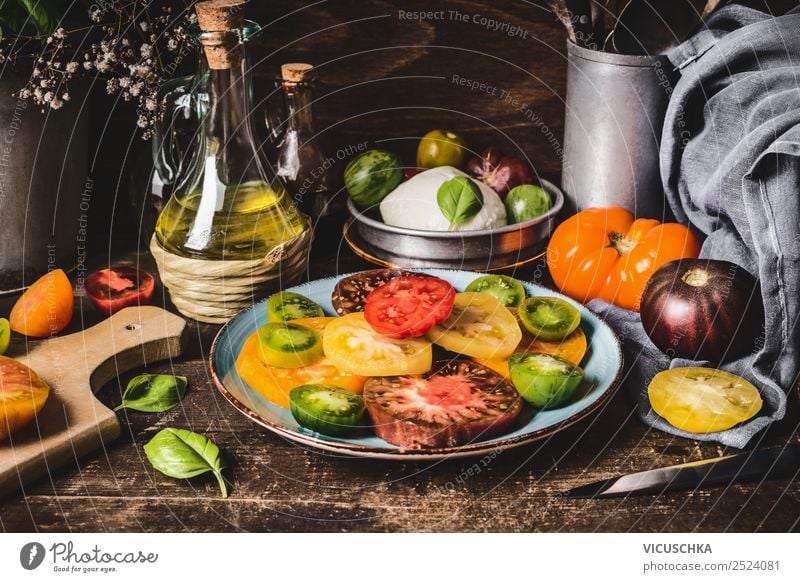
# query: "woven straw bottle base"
213 291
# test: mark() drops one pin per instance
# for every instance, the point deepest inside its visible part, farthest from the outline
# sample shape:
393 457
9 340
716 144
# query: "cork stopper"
220 15
296 72
218 19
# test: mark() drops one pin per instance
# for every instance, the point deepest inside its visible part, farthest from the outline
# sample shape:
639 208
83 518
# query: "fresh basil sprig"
459 200
183 454
153 393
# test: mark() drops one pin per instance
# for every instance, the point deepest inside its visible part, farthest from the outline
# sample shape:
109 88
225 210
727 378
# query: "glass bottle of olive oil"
230 219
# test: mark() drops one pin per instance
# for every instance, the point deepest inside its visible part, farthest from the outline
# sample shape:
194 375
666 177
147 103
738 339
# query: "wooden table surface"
278 485
392 79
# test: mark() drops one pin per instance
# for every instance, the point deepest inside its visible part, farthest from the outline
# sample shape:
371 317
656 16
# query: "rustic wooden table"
393 78
277 485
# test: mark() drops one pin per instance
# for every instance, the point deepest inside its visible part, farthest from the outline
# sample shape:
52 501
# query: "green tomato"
288 345
441 148
326 409
526 202
544 380
370 177
549 318
507 289
285 306
5 335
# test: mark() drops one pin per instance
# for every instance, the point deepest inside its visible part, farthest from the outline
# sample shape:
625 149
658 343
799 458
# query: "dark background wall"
389 79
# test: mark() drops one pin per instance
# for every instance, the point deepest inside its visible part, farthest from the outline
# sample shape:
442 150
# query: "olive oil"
245 222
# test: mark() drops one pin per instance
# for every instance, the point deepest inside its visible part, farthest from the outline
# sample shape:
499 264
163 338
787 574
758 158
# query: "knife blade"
774 463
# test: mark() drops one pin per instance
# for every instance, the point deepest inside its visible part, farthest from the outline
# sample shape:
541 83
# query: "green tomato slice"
5 335
508 290
544 380
285 306
549 318
288 345
326 409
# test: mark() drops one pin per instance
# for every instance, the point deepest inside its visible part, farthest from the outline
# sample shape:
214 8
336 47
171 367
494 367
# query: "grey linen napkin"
730 164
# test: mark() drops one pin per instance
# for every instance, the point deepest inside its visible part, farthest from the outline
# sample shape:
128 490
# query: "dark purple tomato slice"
457 402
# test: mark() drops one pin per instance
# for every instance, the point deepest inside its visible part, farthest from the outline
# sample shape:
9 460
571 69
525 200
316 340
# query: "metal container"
614 115
496 249
45 190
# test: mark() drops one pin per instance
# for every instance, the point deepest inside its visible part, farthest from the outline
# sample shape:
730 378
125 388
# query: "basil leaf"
43 15
153 393
459 200
183 454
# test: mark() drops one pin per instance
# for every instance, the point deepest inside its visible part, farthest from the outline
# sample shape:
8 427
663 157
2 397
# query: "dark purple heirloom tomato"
702 309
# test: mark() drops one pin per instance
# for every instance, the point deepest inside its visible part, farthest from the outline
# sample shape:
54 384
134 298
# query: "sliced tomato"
352 345
350 293
480 326
409 306
275 384
22 395
457 402
113 289
45 308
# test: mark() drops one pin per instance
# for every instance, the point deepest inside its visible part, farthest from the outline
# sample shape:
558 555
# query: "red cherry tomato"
409 306
118 287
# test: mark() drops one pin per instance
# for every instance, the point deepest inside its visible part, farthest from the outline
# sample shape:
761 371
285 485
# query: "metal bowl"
495 249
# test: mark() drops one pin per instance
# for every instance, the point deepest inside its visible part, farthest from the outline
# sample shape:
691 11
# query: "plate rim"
405 454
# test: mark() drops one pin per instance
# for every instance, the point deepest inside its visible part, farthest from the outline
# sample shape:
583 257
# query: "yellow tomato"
480 326
703 399
352 345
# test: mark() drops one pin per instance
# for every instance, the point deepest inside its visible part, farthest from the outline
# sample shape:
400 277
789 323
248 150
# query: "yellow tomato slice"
275 384
572 348
480 326
351 344
22 395
703 399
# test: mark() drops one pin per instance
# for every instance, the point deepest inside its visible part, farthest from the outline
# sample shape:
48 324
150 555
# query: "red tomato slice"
118 287
409 306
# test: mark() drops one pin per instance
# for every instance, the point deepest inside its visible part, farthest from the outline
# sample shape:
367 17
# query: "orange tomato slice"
275 384
45 308
22 395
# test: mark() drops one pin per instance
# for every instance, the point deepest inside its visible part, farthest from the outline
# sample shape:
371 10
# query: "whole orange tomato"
45 308
604 253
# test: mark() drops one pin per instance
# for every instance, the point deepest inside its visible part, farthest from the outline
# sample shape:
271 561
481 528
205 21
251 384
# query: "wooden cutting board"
73 422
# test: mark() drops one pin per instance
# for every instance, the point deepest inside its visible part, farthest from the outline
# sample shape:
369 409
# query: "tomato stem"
695 277
621 243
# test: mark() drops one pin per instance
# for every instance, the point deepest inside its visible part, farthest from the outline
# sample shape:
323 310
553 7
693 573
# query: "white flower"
88 65
172 44
71 67
56 103
125 82
96 14
66 97
146 50
144 25
150 104
48 97
43 83
59 33
25 93
142 121
37 93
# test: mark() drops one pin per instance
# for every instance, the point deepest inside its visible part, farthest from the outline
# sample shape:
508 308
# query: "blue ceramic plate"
602 364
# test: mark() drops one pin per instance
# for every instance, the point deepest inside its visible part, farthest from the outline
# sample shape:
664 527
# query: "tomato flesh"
111 290
22 395
703 400
275 384
409 306
45 308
